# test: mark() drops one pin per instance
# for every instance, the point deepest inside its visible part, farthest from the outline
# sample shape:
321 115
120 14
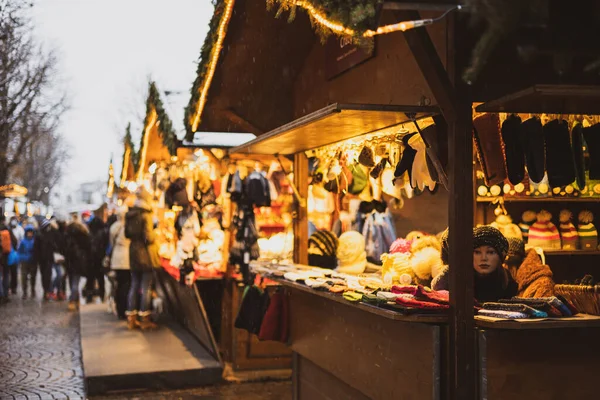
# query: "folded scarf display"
373 299
353 296
516 307
542 303
408 289
317 284
410 301
388 296
440 297
338 288
503 314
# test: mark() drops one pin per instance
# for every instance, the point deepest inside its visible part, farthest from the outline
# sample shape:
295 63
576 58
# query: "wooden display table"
345 350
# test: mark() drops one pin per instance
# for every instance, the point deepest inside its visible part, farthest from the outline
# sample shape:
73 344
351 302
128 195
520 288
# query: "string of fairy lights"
317 16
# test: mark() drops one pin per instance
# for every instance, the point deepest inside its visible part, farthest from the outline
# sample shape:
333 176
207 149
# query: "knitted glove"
420 173
408 156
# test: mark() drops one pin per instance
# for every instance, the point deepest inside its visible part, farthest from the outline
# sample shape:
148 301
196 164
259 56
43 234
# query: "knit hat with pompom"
568 232
527 219
543 233
588 235
400 245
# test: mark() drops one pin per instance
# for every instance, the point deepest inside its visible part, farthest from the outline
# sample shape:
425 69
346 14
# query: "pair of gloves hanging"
414 161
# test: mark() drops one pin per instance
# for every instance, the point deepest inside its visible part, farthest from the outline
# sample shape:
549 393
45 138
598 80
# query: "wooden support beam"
300 222
456 108
240 121
431 66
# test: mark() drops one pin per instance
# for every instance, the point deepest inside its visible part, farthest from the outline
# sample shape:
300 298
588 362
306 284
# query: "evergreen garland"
358 15
165 125
128 144
203 64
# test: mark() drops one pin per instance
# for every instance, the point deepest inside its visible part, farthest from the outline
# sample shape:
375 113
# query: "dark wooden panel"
314 383
544 365
379 357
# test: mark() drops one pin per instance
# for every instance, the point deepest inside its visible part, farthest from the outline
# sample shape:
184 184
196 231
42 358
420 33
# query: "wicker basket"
585 298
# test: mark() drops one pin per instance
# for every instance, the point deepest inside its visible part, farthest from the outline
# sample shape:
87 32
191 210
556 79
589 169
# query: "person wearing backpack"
29 262
143 257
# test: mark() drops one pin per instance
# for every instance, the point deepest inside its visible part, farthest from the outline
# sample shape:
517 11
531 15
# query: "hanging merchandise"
540 189
486 130
568 232
578 155
379 233
513 149
527 219
436 137
420 177
360 179
376 172
391 185
559 155
408 156
533 143
367 157
588 235
255 303
245 246
257 189
204 193
592 139
275 323
543 233
176 194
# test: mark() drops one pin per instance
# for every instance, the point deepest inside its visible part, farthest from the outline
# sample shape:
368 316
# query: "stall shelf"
344 350
530 359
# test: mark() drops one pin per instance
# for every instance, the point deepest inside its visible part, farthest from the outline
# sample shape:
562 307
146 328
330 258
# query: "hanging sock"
486 131
513 149
592 139
533 143
578 158
559 155
408 156
420 177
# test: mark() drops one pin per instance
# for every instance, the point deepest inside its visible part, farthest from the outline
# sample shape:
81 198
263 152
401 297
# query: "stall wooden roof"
332 124
552 99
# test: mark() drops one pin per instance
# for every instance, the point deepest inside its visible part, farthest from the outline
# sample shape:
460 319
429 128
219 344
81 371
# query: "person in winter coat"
47 244
119 261
143 257
77 256
99 244
29 261
8 273
533 277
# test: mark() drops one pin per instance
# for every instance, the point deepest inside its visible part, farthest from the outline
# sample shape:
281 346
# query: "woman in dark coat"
78 255
143 257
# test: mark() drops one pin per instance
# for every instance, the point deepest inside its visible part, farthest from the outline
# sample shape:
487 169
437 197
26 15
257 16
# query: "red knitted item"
275 322
410 302
406 289
432 296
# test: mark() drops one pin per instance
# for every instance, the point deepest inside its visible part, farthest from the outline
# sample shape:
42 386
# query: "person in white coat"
120 260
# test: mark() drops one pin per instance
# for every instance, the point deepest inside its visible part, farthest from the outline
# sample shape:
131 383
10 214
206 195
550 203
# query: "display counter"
345 350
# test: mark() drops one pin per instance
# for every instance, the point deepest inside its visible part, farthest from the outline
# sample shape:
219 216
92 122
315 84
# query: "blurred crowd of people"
118 245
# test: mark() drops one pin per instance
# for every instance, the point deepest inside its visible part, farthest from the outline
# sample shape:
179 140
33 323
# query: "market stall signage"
344 53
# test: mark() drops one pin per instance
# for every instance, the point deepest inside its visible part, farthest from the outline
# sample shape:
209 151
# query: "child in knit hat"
588 235
543 233
568 233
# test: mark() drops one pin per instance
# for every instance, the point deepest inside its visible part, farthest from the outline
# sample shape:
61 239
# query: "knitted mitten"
408 156
592 139
577 143
513 149
486 130
559 155
533 142
420 173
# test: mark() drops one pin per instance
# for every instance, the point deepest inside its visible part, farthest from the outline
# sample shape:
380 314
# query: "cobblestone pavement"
40 351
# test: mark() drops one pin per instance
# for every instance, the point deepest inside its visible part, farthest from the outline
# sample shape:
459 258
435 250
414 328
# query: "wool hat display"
408 156
559 155
325 241
592 139
533 143
367 157
504 224
351 254
578 155
513 149
486 131
588 235
543 233
490 236
568 232
516 251
527 219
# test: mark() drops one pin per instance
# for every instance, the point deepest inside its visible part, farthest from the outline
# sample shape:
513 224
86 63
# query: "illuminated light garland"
110 190
126 160
144 149
214 58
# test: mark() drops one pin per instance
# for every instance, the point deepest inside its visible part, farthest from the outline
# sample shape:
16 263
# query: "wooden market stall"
461 356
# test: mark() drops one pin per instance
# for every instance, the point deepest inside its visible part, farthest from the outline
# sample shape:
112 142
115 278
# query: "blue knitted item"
503 314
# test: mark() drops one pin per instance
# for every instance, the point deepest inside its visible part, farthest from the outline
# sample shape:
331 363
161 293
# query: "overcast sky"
107 50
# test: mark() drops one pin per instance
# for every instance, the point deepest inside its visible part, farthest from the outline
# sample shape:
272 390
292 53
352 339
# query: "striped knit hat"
527 219
325 241
543 233
588 236
568 233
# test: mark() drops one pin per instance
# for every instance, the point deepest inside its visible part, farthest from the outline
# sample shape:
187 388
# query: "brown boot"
132 322
146 323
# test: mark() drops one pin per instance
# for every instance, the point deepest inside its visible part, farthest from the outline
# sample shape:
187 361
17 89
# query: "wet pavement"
40 358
